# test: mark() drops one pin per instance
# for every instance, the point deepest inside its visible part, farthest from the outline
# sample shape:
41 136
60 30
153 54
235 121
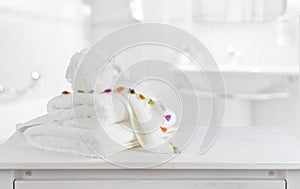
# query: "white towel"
141 115
80 105
90 123
105 124
84 142
84 76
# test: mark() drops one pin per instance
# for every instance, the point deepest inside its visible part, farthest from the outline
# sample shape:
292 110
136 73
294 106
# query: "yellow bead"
151 102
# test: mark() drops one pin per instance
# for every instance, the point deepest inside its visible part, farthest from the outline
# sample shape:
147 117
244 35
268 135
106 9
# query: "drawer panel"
150 184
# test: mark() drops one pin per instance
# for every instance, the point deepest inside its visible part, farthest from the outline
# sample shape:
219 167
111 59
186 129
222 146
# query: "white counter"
236 148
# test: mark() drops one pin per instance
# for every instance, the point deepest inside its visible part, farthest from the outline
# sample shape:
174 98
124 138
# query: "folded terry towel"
103 124
80 105
84 142
95 120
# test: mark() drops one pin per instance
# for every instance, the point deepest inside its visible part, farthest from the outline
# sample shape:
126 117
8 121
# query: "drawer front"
150 184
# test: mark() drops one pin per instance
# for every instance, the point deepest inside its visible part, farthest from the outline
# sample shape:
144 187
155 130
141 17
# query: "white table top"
236 148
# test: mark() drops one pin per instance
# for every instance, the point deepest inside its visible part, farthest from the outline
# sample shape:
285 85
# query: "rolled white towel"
82 76
74 65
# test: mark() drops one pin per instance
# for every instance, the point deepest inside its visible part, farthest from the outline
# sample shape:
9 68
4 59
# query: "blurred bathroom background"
254 42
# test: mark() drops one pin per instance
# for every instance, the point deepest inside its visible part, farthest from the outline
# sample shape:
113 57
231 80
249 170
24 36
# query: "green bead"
176 150
151 102
80 91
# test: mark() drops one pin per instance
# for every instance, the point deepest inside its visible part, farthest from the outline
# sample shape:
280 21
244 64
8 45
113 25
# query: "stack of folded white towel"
101 123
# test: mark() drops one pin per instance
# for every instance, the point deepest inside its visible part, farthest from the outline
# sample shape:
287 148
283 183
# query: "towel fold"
102 124
84 142
80 105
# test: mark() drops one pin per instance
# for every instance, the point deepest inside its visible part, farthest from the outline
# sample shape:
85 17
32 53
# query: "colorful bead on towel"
168 117
65 92
176 150
80 91
151 102
107 90
131 91
120 89
163 129
141 97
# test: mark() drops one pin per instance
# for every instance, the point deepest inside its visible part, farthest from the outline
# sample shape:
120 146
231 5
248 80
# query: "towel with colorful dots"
93 123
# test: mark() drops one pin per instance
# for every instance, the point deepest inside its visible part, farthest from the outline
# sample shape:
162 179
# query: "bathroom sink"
242 81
